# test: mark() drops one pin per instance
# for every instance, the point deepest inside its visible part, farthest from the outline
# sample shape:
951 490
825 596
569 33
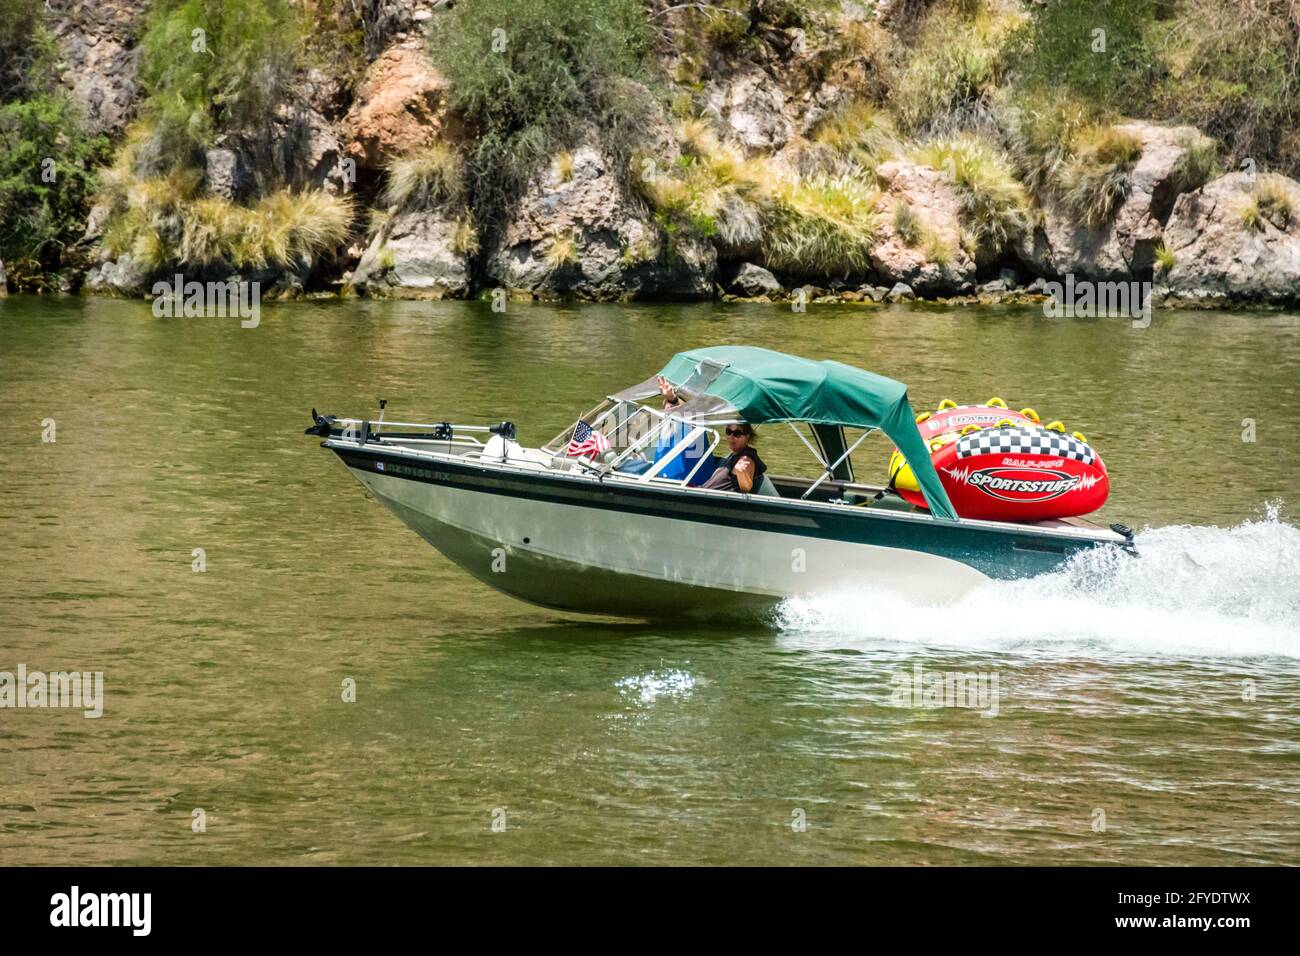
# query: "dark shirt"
724 480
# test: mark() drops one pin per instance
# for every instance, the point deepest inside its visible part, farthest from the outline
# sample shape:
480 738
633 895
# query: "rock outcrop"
754 281
1125 247
1222 253
122 277
386 22
306 152
225 175
931 260
416 255
579 233
751 104
400 105
97 48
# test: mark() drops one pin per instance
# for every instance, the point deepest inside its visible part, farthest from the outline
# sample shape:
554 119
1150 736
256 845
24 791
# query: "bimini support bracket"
830 470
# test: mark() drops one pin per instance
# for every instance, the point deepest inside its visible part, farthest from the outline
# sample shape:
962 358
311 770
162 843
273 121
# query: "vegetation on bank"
1268 202
211 65
1017 103
47 164
213 68
166 220
994 205
822 224
531 79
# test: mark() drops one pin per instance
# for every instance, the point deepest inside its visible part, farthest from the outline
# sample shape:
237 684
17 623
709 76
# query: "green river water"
1149 711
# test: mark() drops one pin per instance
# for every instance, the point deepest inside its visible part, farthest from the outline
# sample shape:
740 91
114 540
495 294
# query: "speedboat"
609 517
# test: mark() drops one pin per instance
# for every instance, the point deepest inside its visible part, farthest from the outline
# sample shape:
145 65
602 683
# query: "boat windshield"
642 441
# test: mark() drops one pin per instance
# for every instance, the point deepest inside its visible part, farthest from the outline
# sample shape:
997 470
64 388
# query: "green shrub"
24 48
230 75
529 76
1234 73
338 43
47 163
1059 51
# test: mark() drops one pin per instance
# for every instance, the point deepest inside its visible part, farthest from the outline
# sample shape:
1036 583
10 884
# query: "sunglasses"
735 433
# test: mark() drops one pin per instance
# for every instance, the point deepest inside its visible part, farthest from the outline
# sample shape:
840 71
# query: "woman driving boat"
743 470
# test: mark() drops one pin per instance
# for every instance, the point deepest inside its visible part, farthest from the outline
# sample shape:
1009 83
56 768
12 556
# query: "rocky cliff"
774 146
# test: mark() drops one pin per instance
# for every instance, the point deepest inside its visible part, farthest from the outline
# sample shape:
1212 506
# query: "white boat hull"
598 560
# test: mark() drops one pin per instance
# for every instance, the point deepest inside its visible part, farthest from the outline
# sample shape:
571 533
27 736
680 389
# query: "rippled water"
1162 692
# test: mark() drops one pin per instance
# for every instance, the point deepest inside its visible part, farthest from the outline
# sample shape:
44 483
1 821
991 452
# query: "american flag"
586 441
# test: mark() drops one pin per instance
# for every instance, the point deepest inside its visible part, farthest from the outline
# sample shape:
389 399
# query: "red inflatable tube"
1019 473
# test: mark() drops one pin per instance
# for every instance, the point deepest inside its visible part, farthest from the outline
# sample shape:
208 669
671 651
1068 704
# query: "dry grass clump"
1268 202
907 225
1165 260
995 206
465 239
423 179
162 221
1198 164
563 165
561 251
858 132
1096 180
950 78
820 224
1042 133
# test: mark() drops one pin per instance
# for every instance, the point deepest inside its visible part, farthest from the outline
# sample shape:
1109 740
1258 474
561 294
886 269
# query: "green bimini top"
761 386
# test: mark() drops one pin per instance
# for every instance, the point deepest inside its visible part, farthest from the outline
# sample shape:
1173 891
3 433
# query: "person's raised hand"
667 391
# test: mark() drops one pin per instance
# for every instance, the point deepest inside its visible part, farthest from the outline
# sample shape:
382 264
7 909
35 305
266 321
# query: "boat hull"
577 544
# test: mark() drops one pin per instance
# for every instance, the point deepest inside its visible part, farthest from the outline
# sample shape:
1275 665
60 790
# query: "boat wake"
1193 592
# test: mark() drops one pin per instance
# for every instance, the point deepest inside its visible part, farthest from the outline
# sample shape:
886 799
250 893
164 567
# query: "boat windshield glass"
636 438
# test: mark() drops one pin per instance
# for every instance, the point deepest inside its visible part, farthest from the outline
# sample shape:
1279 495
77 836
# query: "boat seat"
765 487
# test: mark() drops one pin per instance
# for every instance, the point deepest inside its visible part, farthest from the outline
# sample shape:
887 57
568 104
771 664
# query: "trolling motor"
324 425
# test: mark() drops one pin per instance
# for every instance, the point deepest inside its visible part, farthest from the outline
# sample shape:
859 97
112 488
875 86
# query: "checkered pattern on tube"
1024 441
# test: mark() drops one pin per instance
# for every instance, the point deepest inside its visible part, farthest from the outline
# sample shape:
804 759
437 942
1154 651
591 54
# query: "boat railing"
462 439
365 431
